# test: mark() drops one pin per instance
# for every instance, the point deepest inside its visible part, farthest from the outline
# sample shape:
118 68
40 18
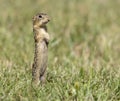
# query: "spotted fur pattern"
41 38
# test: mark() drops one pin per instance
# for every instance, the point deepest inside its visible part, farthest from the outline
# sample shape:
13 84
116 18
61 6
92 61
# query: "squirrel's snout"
48 20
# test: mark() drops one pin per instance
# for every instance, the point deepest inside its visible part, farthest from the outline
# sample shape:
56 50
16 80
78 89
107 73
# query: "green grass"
84 51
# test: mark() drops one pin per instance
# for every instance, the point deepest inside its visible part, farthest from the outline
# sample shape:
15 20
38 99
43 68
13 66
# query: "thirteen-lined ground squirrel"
41 38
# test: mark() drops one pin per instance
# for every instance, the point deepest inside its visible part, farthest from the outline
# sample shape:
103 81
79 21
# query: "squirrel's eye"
40 16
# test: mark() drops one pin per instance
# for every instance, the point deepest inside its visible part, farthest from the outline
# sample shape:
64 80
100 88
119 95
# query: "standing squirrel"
41 38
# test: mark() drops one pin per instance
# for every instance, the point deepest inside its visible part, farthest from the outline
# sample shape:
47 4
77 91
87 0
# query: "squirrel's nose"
48 20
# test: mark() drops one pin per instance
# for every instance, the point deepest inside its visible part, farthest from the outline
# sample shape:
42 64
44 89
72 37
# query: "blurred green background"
84 51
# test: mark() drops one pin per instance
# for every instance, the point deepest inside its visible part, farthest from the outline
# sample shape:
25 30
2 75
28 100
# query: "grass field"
84 51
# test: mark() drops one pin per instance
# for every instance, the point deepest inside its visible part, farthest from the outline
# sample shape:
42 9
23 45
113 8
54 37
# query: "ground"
84 51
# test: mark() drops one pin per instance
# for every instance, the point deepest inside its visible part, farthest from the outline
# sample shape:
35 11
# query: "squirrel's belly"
41 47
41 56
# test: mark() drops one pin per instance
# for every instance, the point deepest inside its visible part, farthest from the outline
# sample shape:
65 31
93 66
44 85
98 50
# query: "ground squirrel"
41 38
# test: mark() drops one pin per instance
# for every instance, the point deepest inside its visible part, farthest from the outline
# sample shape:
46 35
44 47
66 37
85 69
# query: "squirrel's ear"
34 17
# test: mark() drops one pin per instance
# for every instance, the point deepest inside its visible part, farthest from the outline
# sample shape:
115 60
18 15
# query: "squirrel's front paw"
47 38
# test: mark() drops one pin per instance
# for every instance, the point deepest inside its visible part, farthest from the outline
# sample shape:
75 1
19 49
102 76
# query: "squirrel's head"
40 20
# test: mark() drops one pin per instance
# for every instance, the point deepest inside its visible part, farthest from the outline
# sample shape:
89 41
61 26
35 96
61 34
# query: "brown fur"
41 38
